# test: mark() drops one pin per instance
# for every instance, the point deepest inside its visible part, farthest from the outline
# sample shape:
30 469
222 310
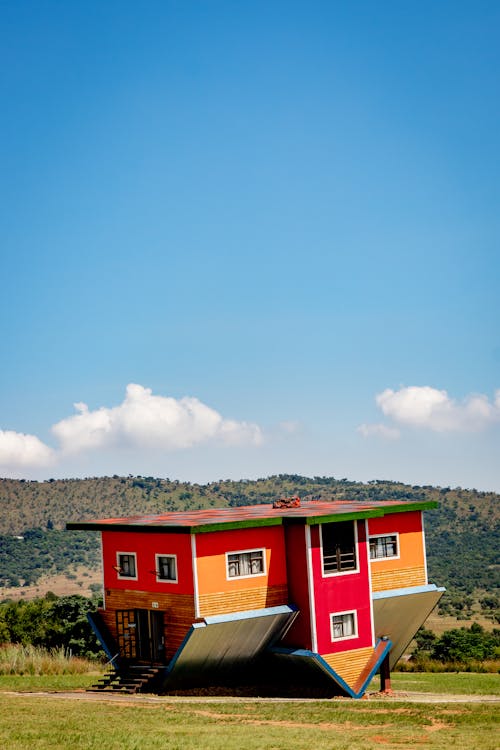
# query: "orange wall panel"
211 549
411 542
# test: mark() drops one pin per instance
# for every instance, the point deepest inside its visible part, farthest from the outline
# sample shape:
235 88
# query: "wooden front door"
150 636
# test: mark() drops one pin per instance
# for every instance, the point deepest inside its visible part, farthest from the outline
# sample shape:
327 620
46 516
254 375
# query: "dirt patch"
60 585
244 719
392 710
167 700
436 725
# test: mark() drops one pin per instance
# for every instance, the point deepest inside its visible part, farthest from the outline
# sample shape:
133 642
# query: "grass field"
58 722
445 683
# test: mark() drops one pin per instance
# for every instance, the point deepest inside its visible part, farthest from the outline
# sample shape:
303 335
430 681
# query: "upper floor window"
245 564
126 565
383 546
344 625
166 568
338 547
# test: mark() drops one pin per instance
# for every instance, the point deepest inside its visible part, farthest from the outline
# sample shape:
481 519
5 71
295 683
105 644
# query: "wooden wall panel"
225 602
350 664
399 578
178 612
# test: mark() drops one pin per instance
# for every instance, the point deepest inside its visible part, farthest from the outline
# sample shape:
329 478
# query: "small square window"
339 547
245 564
344 625
166 568
126 565
383 546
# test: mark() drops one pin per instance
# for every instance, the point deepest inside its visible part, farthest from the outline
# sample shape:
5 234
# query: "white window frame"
356 552
157 568
119 567
355 622
246 552
387 557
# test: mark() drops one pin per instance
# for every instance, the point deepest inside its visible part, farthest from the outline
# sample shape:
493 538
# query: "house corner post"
385 676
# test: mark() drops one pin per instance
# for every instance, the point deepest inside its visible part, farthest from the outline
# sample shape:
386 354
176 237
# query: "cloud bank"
432 409
142 420
18 450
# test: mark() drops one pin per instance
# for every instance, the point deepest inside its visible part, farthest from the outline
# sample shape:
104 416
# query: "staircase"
136 678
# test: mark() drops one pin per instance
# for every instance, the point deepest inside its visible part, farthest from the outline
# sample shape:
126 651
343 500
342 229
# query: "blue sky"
250 238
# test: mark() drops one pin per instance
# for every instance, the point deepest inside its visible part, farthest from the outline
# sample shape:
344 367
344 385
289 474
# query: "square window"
126 565
245 564
166 568
338 547
344 625
383 546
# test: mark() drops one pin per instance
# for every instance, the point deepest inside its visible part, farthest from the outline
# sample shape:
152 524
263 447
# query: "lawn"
49 722
450 683
177 724
446 683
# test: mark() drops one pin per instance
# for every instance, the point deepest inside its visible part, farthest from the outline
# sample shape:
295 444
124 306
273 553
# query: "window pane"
127 565
233 565
339 548
167 568
383 546
348 624
344 626
241 564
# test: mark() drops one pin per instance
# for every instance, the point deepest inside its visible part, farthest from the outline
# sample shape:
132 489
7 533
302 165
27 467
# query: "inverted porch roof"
220 519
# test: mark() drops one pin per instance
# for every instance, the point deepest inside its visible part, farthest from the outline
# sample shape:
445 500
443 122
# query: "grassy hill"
462 535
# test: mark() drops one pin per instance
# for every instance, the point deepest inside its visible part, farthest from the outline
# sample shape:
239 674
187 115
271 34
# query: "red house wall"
340 593
407 524
146 546
299 635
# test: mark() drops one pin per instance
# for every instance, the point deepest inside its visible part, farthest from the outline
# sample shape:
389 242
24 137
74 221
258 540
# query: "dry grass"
31 660
60 585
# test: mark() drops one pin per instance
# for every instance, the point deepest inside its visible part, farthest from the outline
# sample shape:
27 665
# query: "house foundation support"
385 676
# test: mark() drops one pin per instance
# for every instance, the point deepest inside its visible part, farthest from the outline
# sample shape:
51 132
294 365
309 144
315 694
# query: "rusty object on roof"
287 502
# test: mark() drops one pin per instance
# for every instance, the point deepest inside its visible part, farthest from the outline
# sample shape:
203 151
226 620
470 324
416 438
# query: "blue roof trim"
303 653
101 640
284 609
431 587
179 651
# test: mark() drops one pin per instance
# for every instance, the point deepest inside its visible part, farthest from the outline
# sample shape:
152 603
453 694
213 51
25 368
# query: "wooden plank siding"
398 578
243 600
349 665
178 612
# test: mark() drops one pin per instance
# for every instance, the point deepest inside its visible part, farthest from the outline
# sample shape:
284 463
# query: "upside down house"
313 593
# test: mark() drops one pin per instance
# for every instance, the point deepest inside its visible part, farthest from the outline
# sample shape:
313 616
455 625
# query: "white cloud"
378 430
18 450
430 408
145 420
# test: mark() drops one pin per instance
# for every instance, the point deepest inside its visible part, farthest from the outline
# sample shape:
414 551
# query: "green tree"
466 644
